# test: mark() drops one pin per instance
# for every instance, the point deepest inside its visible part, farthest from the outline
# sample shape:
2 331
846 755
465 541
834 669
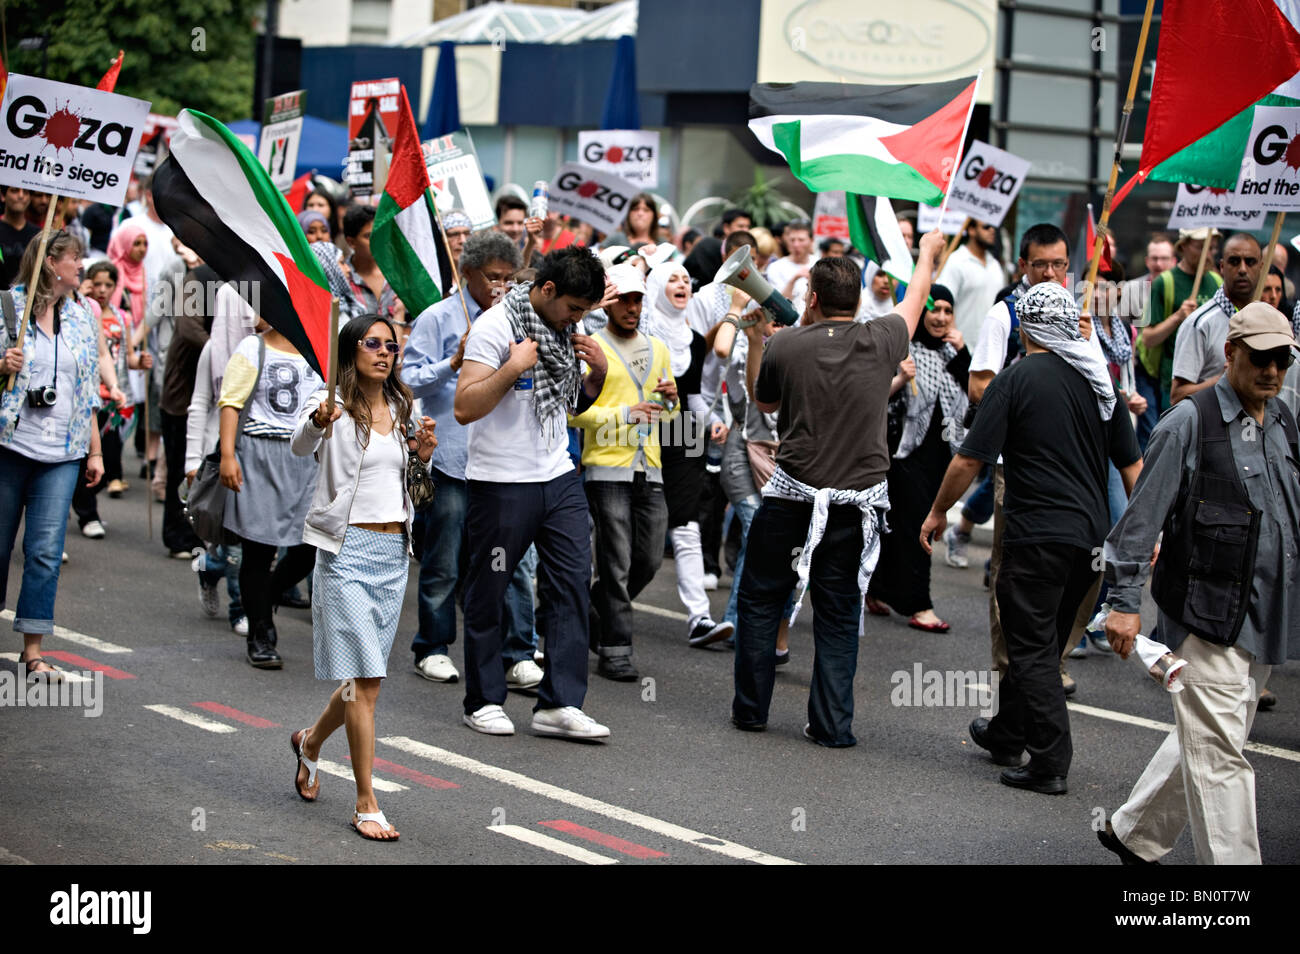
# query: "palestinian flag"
874 231
895 141
219 201
404 239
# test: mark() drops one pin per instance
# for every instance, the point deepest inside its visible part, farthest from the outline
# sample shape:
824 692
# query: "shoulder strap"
1289 428
10 314
1167 292
1214 441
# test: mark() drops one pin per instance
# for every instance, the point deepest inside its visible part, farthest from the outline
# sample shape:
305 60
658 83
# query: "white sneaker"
490 720
240 626
569 722
710 581
94 529
523 675
437 668
956 542
209 599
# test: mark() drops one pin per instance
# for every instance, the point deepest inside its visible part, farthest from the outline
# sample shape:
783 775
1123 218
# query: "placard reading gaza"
1270 167
69 140
631 154
592 196
1201 207
987 182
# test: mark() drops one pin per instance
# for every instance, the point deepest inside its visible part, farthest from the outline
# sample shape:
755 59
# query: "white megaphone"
739 272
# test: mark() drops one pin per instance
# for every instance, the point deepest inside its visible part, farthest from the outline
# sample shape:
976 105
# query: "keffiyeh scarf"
327 253
555 376
933 383
1050 316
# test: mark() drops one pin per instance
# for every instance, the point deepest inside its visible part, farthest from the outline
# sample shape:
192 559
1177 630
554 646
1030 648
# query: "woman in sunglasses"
360 520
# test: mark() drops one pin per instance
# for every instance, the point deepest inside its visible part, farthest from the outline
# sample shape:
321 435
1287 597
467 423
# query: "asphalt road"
675 784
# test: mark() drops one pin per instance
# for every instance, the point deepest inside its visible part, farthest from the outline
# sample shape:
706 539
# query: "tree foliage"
179 53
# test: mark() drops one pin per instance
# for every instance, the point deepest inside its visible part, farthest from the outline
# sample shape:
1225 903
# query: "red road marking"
411 775
257 722
608 841
83 663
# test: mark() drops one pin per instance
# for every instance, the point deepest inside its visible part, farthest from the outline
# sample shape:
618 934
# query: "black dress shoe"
293 600
1112 843
1266 700
1042 784
748 726
261 647
979 733
617 668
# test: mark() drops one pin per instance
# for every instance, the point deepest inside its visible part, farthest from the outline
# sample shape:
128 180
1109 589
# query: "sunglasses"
374 344
1282 357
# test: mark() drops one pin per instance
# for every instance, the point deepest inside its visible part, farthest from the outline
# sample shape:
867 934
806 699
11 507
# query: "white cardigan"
340 469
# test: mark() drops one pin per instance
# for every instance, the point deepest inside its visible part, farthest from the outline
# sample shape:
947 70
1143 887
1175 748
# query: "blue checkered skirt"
356 603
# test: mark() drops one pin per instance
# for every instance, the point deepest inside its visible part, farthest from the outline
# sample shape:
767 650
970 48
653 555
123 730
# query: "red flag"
1187 99
4 77
110 78
298 192
1106 262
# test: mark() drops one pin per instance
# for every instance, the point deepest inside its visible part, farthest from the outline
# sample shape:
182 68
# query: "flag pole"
334 363
1200 267
952 244
1120 136
961 143
1268 255
31 286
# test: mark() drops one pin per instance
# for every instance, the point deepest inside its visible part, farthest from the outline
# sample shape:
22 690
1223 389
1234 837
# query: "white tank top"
381 496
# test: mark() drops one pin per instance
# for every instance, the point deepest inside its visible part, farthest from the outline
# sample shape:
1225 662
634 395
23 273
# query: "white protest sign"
1198 207
631 154
281 135
69 140
987 182
927 217
830 216
592 196
457 179
1270 168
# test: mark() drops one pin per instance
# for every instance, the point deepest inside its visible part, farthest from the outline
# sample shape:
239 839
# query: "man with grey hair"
1052 417
431 369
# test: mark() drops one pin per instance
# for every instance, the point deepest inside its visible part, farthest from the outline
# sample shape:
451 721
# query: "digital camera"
44 396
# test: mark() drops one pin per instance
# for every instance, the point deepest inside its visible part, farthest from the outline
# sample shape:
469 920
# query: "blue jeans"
979 505
224 560
44 491
441 530
744 511
1149 388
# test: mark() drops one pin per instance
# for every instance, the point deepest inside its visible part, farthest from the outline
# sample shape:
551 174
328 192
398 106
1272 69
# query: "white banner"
927 217
69 140
631 154
830 216
987 182
1270 169
1197 207
592 196
281 136
456 179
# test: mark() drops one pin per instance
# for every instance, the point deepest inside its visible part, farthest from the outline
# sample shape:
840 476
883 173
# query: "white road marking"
81 639
1166 727
537 839
656 611
700 840
192 718
343 771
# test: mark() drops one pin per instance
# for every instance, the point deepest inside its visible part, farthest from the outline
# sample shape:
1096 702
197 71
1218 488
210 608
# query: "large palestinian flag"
220 202
895 141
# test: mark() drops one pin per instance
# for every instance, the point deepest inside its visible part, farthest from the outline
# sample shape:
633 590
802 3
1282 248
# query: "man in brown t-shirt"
828 381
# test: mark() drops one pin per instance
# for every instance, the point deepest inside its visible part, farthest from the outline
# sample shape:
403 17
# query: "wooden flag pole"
1120 136
1268 255
952 244
1200 267
334 363
31 285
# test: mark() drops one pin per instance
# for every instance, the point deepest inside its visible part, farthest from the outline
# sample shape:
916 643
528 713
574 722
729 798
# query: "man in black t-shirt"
1054 418
828 381
15 233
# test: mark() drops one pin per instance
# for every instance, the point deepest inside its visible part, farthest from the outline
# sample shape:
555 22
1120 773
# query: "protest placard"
1198 207
1270 167
372 117
592 196
631 154
457 179
281 136
987 183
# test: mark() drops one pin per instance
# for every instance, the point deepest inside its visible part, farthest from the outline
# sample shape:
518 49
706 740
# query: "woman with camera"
47 425
360 522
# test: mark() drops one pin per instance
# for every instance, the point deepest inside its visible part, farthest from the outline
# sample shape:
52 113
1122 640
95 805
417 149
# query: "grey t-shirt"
1198 352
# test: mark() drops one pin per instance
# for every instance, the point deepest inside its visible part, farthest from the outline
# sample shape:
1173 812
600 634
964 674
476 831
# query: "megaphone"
739 272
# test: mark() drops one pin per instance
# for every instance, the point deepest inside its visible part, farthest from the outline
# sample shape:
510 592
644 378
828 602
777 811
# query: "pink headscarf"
130 275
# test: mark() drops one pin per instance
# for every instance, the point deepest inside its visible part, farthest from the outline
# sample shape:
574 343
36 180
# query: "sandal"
313 783
360 818
51 674
876 608
938 626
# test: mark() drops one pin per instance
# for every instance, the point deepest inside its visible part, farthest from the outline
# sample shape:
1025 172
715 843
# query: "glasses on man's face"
1236 261
498 278
1282 357
1055 264
374 344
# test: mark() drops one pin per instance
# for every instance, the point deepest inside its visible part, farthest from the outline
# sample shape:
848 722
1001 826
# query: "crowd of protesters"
599 401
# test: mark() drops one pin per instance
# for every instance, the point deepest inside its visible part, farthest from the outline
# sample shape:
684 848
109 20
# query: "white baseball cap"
627 279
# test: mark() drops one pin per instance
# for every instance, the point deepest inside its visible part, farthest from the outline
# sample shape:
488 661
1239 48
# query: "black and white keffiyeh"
1050 316
327 253
555 376
934 383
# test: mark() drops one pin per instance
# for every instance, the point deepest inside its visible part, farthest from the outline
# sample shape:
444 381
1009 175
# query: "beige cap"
1261 327
608 255
1197 235
626 278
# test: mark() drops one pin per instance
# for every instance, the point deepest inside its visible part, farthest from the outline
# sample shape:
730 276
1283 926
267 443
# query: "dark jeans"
177 534
713 505
84 499
631 519
441 532
771 551
1149 388
979 505
503 520
258 583
1039 589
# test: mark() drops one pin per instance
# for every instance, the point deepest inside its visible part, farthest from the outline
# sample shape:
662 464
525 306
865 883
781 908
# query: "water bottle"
523 387
541 199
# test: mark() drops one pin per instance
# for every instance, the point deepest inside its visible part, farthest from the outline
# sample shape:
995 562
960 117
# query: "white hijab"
664 320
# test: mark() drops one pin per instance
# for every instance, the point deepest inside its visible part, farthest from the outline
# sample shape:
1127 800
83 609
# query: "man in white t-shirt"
973 276
519 379
789 275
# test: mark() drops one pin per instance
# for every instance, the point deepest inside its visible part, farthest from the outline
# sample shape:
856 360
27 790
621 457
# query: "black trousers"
177 533
1039 589
84 503
258 583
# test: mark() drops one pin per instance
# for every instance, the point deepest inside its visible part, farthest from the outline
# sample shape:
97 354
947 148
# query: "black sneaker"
617 668
706 631
782 657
